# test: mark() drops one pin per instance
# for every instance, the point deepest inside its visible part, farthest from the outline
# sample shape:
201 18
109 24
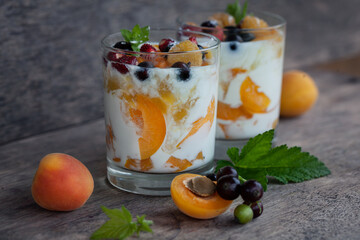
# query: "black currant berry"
184 70
211 176
225 171
247 37
210 23
251 191
143 74
123 45
228 187
257 208
233 38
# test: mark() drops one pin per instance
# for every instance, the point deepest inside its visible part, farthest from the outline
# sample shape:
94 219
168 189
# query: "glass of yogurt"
160 108
251 67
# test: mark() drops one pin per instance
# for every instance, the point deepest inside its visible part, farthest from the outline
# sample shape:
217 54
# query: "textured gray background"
49 50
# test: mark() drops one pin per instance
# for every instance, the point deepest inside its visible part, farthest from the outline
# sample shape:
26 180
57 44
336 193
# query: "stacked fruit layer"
160 118
251 63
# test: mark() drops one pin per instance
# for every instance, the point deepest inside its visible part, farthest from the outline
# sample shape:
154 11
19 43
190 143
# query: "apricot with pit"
299 93
194 205
61 183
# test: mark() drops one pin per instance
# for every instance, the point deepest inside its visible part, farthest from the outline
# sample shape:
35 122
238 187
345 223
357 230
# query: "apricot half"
299 93
193 205
61 183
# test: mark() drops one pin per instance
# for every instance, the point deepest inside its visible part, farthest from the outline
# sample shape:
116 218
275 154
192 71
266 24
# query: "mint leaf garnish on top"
120 225
137 36
258 160
237 11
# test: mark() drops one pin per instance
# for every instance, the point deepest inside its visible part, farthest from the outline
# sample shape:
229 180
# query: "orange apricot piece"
180 164
236 71
201 121
253 100
194 205
154 127
226 112
61 183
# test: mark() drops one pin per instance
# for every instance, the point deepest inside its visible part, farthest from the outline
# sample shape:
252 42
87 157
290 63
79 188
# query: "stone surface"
50 68
324 208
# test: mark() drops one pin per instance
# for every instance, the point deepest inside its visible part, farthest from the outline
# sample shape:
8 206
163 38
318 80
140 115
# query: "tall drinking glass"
160 110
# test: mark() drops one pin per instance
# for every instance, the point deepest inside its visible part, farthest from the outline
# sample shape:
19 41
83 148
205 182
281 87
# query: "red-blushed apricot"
61 183
193 205
299 93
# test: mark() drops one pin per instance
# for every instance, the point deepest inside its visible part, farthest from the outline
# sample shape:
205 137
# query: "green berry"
243 213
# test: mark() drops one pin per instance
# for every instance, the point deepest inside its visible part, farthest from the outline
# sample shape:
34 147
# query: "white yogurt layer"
190 99
262 61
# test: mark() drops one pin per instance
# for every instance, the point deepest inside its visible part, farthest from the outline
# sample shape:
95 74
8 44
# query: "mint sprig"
120 225
237 11
258 160
137 36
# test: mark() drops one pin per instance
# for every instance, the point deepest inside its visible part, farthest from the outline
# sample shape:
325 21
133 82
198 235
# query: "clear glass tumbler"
251 68
159 114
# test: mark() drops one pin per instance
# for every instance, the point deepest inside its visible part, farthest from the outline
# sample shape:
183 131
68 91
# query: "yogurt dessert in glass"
251 67
160 108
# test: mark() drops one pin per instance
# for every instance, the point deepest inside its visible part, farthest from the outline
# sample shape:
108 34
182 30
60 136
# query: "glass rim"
180 21
130 52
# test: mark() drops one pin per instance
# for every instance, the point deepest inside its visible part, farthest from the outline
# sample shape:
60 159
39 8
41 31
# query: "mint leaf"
137 36
120 225
237 11
258 160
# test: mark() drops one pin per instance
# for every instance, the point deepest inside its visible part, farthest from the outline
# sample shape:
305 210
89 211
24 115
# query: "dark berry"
225 171
231 28
247 37
123 45
251 191
211 176
165 44
228 187
233 46
120 65
143 74
233 37
243 213
147 48
203 53
257 208
210 23
184 70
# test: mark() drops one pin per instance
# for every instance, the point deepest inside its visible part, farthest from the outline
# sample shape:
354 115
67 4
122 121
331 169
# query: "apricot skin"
61 183
193 205
299 93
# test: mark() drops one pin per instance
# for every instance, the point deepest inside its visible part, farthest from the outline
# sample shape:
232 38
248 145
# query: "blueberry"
233 38
203 53
210 23
233 46
123 45
143 74
247 37
184 70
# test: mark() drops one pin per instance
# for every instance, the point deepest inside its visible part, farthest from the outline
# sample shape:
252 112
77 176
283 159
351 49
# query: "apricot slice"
201 121
180 164
253 100
149 118
110 137
226 112
236 71
141 165
299 93
193 205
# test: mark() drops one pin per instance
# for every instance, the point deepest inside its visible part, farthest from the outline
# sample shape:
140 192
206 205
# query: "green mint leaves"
237 11
258 160
120 225
137 36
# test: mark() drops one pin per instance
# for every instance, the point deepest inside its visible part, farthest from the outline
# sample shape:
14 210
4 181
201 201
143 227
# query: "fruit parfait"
160 94
251 64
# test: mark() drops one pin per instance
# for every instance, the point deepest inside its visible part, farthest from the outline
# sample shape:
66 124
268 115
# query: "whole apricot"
193 205
61 183
299 93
